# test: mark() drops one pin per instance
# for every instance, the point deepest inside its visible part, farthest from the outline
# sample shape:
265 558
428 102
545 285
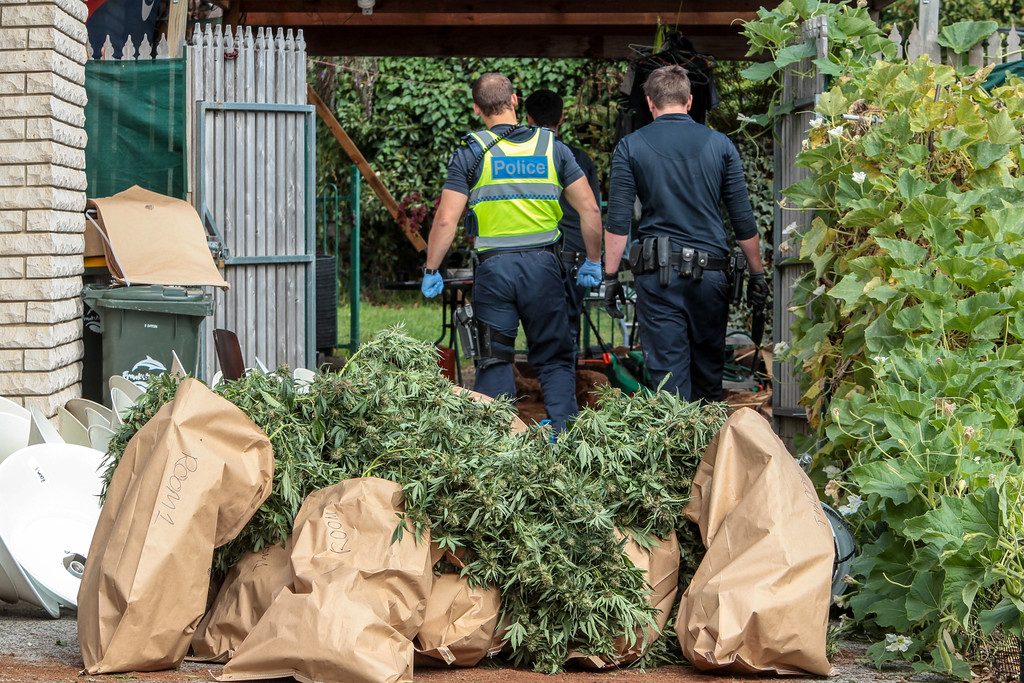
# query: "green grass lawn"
422 320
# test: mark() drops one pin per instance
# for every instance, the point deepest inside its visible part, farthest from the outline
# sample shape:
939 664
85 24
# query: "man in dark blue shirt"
681 172
544 108
511 177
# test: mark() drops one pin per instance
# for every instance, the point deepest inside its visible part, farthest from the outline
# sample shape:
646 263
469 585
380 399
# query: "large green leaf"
794 53
759 71
887 479
1001 130
833 103
963 35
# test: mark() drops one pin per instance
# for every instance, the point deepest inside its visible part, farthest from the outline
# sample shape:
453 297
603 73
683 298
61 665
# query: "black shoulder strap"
492 143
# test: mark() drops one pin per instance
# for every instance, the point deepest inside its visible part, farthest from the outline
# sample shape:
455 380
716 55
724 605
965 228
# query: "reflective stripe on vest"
515 201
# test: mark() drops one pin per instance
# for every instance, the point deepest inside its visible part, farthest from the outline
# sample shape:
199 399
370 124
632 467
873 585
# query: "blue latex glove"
432 285
589 274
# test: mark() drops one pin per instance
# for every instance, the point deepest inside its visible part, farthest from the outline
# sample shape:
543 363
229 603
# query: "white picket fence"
1004 45
143 51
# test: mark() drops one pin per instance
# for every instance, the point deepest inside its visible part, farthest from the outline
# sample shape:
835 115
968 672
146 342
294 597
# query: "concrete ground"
37 649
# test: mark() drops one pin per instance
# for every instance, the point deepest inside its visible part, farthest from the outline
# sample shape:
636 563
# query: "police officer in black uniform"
681 171
544 108
512 176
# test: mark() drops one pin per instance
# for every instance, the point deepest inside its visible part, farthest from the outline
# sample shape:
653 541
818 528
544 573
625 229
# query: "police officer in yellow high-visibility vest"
512 177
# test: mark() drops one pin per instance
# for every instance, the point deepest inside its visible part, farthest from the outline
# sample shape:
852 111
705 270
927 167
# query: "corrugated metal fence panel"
789 416
254 171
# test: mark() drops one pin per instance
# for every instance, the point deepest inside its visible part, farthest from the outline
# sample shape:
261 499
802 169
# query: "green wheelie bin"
142 325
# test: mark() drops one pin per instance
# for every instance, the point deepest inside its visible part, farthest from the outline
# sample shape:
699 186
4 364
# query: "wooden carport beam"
582 19
364 167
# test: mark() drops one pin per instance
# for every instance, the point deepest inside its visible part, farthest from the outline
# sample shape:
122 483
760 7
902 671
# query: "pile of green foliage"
909 329
542 521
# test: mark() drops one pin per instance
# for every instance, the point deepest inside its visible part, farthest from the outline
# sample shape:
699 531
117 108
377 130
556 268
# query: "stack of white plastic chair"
50 489
15 423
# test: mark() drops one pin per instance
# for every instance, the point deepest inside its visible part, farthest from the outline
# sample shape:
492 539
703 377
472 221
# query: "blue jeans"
682 330
528 286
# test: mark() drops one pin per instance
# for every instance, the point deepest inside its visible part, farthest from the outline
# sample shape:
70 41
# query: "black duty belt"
703 260
482 256
655 255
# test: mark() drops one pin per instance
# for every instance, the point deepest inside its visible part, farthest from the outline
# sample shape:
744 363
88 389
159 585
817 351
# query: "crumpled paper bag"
357 599
188 482
247 592
461 621
459 624
759 601
661 564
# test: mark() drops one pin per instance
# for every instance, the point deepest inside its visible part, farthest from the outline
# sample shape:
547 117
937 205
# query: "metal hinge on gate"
214 240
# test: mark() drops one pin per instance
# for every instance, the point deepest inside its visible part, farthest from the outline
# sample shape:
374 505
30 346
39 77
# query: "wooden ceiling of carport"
504 28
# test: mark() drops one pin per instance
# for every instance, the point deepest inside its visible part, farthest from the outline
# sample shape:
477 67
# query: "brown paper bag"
189 481
517 427
150 238
661 563
247 592
357 599
459 624
759 601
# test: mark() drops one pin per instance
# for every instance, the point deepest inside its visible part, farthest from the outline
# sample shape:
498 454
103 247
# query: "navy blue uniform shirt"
465 156
681 171
572 234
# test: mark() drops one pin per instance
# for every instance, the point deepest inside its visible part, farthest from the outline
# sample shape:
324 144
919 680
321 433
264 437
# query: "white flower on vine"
977 458
853 504
897 643
805 145
781 348
818 291
743 118
789 229
836 132
832 471
881 360
817 123
859 177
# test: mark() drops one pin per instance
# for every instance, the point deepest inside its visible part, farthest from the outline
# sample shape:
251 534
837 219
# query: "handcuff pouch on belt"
571 262
654 254
476 338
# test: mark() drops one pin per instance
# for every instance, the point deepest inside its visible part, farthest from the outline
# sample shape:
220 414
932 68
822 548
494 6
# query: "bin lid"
150 298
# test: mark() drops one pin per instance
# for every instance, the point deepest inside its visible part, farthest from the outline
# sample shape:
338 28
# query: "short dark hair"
492 92
668 85
545 108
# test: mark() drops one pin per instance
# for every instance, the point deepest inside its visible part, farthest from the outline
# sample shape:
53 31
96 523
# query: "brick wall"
42 197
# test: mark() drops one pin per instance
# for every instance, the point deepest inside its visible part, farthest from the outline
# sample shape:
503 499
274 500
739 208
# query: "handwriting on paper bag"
183 467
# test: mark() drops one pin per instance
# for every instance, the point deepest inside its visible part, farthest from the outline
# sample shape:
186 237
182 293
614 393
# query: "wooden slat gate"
254 187
802 83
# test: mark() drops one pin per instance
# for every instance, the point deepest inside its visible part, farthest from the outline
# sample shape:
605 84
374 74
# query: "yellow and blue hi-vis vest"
515 201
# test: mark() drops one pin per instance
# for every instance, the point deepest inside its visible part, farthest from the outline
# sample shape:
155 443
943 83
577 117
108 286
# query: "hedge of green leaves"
909 331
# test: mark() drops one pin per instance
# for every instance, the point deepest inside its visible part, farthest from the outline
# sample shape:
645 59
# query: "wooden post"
364 167
176 20
928 25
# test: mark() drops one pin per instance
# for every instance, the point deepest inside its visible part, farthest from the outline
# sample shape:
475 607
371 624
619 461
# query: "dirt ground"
37 649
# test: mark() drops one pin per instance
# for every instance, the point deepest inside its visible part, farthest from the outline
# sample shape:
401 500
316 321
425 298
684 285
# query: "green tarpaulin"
135 119
1001 72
